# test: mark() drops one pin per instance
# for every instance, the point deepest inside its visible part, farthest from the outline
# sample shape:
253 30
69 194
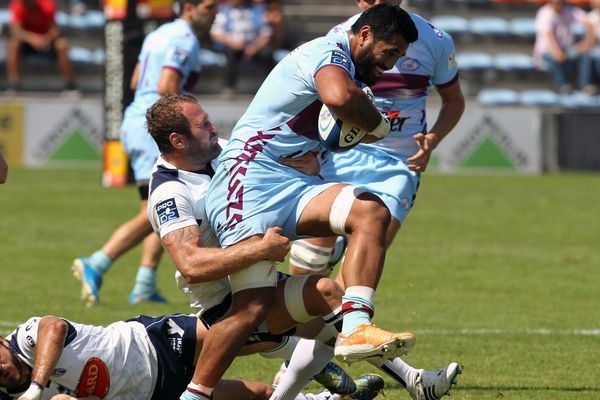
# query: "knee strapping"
340 209
308 256
294 301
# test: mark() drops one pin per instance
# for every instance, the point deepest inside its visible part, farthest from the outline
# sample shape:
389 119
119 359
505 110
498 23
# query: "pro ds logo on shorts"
167 211
340 58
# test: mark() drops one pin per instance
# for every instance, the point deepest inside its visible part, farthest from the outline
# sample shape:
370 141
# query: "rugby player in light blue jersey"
394 163
251 191
168 63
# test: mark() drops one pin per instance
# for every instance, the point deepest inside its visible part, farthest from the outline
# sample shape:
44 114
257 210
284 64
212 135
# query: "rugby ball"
336 134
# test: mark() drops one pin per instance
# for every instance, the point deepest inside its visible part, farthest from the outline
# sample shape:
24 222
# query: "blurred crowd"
249 32
571 56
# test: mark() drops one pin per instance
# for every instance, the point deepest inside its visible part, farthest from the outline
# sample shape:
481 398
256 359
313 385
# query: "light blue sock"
356 312
187 395
100 262
145 281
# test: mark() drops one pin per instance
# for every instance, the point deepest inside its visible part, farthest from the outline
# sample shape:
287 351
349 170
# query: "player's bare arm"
453 106
346 100
51 335
203 264
169 81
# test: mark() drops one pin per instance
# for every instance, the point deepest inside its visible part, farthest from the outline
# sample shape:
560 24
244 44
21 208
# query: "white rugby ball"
336 134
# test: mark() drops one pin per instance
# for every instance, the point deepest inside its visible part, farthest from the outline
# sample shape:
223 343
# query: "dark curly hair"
165 117
386 21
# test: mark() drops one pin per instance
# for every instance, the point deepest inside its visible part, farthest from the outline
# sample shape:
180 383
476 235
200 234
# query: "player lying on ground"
143 358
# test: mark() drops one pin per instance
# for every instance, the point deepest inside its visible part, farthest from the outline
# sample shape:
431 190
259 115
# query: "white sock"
308 359
284 351
397 369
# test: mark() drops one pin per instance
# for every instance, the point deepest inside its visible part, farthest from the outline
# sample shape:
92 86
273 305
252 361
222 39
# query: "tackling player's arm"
51 335
203 264
453 106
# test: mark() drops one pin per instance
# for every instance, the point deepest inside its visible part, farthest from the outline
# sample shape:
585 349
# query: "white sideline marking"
527 331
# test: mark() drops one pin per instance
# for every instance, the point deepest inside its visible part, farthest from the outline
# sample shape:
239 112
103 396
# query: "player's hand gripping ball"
336 134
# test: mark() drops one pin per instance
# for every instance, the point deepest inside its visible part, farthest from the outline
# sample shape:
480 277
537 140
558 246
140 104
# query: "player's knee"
310 258
341 207
370 212
329 290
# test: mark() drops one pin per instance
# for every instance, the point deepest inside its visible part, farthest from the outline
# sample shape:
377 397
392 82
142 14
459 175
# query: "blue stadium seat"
63 20
489 26
474 61
279 54
523 27
579 100
513 62
94 19
99 56
81 55
4 17
539 97
498 96
451 24
209 58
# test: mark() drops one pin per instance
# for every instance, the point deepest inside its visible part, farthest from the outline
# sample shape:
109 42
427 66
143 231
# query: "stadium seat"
489 26
474 61
99 56
279 54
539 97
81 55
451 24
4 17
63 20
94 19
513 62
579 100
523 27
210 58
498 96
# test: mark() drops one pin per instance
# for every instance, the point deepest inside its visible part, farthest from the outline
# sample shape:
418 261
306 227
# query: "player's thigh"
245 199
139 146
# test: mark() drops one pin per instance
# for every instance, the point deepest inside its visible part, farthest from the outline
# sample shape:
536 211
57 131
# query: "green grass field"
499 272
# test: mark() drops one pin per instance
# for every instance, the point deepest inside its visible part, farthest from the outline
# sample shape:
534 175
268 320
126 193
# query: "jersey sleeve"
332 55
182 55
445 70
170 208
24 338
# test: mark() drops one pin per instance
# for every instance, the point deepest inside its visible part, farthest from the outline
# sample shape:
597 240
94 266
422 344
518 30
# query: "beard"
365 66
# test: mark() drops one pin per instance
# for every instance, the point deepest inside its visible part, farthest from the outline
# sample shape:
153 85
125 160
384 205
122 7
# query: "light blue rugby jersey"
172 45
402 91
287 104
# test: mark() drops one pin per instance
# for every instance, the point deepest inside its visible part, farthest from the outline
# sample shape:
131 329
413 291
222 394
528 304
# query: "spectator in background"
33 30
274 17
556 47
3 169
592 67
241 28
